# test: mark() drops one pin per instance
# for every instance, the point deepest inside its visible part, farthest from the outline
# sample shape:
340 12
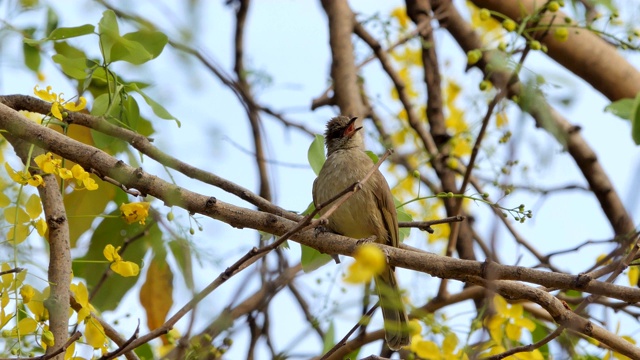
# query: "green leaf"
71 32
539 333
621 108
139 47
372 156
402 216
144 351
315 154
129 51
312 259
181 250
158 109
31 57
113 230
329 338
635 120
79 204
75 68
109 33
63 48
52 20
131 115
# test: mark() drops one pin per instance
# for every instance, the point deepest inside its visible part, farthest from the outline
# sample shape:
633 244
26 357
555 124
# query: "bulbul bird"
369 212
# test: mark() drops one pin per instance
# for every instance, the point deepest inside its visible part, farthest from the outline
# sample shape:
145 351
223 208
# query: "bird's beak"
351 128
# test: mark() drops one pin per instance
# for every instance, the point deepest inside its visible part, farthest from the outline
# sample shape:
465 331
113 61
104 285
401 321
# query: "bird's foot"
368 240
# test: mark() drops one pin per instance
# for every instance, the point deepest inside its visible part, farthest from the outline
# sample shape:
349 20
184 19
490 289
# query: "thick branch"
584 53
59 271
343 68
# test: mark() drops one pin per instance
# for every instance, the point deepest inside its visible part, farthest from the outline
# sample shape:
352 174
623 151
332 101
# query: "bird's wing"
313 193
387 207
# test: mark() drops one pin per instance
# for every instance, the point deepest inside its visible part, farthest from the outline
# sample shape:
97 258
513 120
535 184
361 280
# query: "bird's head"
343 133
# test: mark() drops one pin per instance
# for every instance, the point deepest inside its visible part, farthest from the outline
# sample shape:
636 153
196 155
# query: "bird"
368 213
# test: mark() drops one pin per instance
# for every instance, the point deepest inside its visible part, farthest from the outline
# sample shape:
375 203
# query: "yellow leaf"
17 234
156 294
26 326
94 334
41 226
4 200
15 215
33 206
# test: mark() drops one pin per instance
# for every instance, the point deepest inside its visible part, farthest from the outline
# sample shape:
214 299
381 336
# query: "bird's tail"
395 318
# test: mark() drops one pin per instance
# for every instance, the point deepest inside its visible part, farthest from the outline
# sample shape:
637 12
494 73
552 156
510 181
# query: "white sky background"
288 40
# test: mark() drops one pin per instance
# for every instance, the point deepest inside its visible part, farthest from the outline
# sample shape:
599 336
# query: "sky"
287 40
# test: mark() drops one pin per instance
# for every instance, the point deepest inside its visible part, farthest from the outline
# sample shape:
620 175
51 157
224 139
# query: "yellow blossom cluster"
58 104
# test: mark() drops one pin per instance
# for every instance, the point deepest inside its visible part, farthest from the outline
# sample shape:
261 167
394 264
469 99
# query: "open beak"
351 128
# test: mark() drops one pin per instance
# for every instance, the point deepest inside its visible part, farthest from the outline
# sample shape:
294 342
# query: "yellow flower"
430 350
370 261
47 163
27 292
400 13
137 211
58 104
82 297
508 319
119 266
634 273
36 305
23 177
83 178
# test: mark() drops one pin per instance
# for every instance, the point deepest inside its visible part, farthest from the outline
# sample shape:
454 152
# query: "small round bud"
485 195
553 6
502 46
509 25
485 85
227 341
535 45
416 174
485 14
474 56
191 231
450 195
170 216
561 34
